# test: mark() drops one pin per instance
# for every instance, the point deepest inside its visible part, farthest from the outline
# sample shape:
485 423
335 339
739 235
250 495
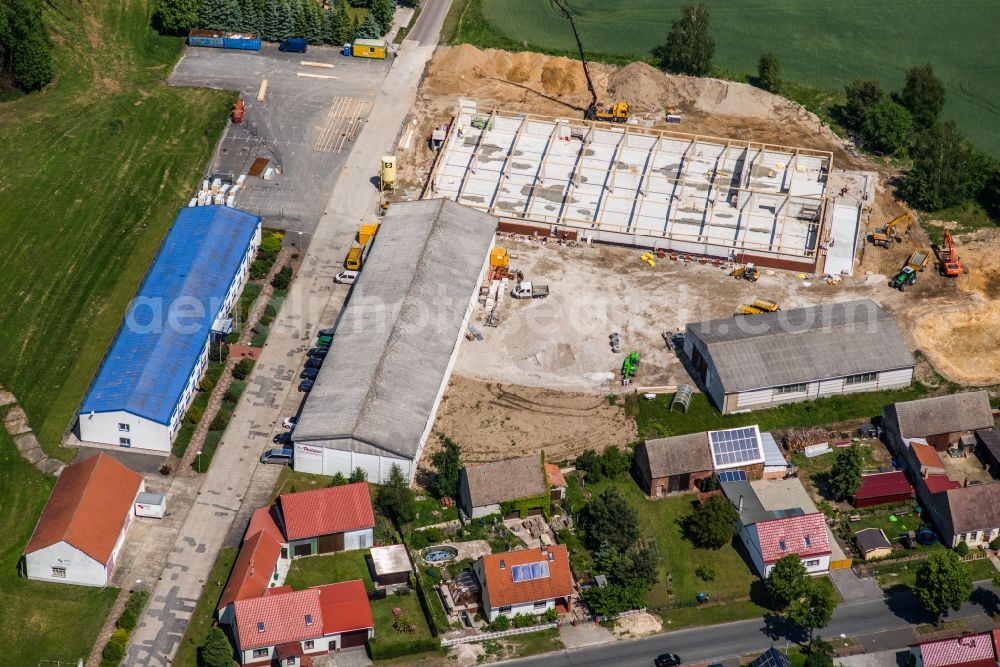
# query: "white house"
151 372
82 528
750 362
527 581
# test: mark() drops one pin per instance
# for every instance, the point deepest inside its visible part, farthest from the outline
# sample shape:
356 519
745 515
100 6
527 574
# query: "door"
659 489
353 639
330 543
304 549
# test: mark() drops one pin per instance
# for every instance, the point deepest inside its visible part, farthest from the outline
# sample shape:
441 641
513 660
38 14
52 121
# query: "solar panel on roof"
529 571
733 476
735 446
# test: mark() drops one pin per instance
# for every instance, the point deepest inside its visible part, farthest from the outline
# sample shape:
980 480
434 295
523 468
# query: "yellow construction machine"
749 272
897 228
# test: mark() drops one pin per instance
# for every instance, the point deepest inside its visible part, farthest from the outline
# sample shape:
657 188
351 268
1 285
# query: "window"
290 660
860 378
260 653
309 619
59 572
781 543
812 563
504 610
308 645
541 605
808 541
791 388
123 428
125 442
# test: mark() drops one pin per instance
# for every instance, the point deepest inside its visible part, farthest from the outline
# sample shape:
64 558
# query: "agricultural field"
97 165
821 45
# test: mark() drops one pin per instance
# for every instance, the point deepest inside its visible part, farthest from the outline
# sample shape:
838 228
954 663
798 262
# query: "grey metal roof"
966 411
772 452
394 340
391 559
870 539
678 455
802 345
752 510
504 481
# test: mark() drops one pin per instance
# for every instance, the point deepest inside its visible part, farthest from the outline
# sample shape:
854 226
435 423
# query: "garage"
354 639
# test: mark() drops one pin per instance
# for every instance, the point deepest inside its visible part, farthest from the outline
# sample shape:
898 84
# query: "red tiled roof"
345 607
882 485
926 455
554 475
938 483
788 535
266 519
965 650
336 509
88 507
504 591
270 620
253 569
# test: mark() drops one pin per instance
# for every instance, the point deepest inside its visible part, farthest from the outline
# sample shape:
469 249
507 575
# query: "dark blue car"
294 45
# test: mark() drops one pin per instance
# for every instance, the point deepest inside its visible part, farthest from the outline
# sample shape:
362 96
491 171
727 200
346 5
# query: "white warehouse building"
750 362
149 376
396 341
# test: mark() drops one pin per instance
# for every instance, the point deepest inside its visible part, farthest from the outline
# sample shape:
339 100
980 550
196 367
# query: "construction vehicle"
951 265
918 261
748 310
356 256
906 277
618 112
766 305
528 291
897 228
630 365
749 272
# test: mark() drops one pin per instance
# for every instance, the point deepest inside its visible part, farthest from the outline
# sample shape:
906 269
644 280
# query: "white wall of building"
748 535
769 397
328 461
80 568
514 610
359 539
142 433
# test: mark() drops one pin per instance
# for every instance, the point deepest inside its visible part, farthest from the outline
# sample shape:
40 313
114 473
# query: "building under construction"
728 198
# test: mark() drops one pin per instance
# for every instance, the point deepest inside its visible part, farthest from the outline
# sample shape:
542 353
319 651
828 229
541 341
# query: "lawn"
821 45
204 612
654 419
903 575
104 157
38 621
430 512
290 481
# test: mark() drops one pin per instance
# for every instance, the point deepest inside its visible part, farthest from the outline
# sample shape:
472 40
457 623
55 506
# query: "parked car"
318 352
280 455
313 362
289 422
325 332
283 438
309 373
667 660
346 277
306 385
294 45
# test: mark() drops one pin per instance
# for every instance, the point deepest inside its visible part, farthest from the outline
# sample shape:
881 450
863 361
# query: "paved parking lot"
304 126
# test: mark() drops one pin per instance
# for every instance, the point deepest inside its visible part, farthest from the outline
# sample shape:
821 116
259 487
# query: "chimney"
251 568
741 503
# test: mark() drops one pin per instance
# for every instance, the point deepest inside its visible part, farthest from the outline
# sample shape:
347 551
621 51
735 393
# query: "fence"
484 636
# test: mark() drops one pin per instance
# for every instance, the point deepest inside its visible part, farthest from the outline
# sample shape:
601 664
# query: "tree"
991 200
591 463
299 10
447 461
283 278
845 475
819 653
395 497
943 582
787 580
713 524
355 29
217 651
369 28
689 48
383 11
638 564
614 461
923 95
271 25
25 49
220 14
885 126
176 16
861 95
611 600
813 609
769 72
610 522
946 170
338 479
314 22
33 63
286 21
358 475
334 30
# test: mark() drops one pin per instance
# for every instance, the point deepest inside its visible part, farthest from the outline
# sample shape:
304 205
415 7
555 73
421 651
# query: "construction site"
632 227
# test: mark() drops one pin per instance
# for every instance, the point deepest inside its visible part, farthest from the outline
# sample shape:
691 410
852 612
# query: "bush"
194 414
769 72
270 245
114 650
424 538
962 549
995 543
499 624
127 620
220 353
550 615
885 126
397 649
206 385
283 278
707 572
523 621
241 371
258 269
221 420
234 391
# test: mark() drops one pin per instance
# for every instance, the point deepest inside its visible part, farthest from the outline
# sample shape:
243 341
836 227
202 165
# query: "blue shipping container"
241 42
206 40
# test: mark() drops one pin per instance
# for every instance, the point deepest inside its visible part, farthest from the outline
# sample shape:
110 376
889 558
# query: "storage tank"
388 172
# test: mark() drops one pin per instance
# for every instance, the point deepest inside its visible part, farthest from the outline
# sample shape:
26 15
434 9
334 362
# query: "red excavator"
951 265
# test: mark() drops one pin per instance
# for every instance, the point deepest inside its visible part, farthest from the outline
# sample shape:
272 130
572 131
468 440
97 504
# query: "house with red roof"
254 572
882 488
290 627
979 650
82 528
527 581
338 518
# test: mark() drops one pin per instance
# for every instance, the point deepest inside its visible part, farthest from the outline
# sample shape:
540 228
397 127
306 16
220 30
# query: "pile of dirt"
644 86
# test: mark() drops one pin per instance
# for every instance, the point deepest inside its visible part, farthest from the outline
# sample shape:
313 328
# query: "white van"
346 277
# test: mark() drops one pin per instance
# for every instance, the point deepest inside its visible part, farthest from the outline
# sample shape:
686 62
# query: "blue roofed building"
159 355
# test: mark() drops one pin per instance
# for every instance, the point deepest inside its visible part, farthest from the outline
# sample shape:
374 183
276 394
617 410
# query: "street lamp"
199 460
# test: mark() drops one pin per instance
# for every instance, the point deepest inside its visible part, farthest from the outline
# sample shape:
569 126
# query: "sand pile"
963 341
642 85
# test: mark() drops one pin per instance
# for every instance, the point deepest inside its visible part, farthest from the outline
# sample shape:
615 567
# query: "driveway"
852 587
235 484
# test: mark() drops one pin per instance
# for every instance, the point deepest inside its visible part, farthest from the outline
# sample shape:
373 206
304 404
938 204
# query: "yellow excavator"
897 228
618 112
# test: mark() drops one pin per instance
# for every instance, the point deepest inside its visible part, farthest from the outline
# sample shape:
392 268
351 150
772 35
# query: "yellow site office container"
366 233
499 257
368 48
353 262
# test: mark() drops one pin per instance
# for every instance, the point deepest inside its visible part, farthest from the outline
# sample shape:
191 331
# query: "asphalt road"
879 625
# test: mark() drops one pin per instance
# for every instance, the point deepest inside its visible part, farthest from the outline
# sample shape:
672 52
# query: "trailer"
218 39
150 504
368 48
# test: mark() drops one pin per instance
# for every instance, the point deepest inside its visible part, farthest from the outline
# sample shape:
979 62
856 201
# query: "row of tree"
947 170
25 49
275 20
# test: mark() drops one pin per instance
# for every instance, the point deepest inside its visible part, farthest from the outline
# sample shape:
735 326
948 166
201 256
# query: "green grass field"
38 621
96 166
820 44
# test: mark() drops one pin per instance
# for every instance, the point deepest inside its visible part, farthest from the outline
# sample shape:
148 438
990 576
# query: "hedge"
114 650
436 619
525 505
397 649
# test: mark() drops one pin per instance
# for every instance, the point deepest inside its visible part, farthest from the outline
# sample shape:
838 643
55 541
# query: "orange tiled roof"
504 591
253 569
926 455
336 509
555 475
